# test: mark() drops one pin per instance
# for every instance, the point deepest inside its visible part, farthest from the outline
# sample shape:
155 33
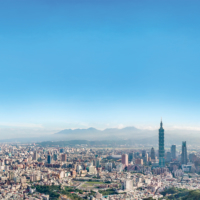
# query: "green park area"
92 184
180 194
56 191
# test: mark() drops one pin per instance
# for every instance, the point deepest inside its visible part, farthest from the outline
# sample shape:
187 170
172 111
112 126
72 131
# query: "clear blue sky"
101 63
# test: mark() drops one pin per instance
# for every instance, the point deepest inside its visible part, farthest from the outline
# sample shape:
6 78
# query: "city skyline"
118 65
99 99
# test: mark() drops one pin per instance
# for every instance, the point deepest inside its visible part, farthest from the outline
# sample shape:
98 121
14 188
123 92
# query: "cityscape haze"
83 86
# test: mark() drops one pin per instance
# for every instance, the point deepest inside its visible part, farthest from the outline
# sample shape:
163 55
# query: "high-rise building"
192 157
130 156
61 150
109 167
127 185
136 155
143 153
63 157
173 151
153 157
49 159
146 158
35 156
125 159
139 161
169 157
184 153
55 157
161 146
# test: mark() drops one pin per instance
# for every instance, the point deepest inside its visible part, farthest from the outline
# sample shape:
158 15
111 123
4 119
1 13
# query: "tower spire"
161 145
161 122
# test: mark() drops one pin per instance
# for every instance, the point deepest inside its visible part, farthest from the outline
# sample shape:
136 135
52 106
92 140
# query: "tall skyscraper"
35 156
136 155
61 150
55 157
125 159
146 158
173 151
49 159
153 157
184 153
161 146
63 157
143 153
130 156
169 157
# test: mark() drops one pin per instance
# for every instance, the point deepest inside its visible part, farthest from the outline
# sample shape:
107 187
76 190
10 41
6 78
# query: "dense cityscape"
31 171
83 84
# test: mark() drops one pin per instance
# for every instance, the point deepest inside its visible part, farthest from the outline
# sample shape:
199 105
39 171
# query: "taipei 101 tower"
161 146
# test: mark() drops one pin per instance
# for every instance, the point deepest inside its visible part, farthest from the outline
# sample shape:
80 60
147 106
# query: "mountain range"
140 136
110 133
135 135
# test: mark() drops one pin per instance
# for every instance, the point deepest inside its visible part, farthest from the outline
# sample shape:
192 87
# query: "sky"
98 63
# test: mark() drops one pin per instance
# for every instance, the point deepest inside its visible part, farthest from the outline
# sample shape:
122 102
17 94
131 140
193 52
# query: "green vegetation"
55 191
176 193
50 190
92 193
91 183
140 188
107 192
89 180
94 182
181 194
193 195
172 190
68 191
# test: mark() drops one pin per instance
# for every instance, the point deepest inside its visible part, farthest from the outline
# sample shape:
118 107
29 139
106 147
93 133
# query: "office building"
49 159
130 157
55 157
35 156
61 150
169 157
184 153
136 155
127 185
63 157
78 169
161 146
108 167
145 158
139 161
125 159
143 153
173 151
192 157
153 157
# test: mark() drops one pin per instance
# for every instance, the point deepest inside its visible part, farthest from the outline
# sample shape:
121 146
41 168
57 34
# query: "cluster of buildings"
132 174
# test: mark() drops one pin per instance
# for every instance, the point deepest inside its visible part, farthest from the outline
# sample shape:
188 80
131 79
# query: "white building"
127 185
108 167
119 167
178 173
92 170
78 169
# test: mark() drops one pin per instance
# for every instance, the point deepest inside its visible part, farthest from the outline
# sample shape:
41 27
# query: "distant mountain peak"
92 129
